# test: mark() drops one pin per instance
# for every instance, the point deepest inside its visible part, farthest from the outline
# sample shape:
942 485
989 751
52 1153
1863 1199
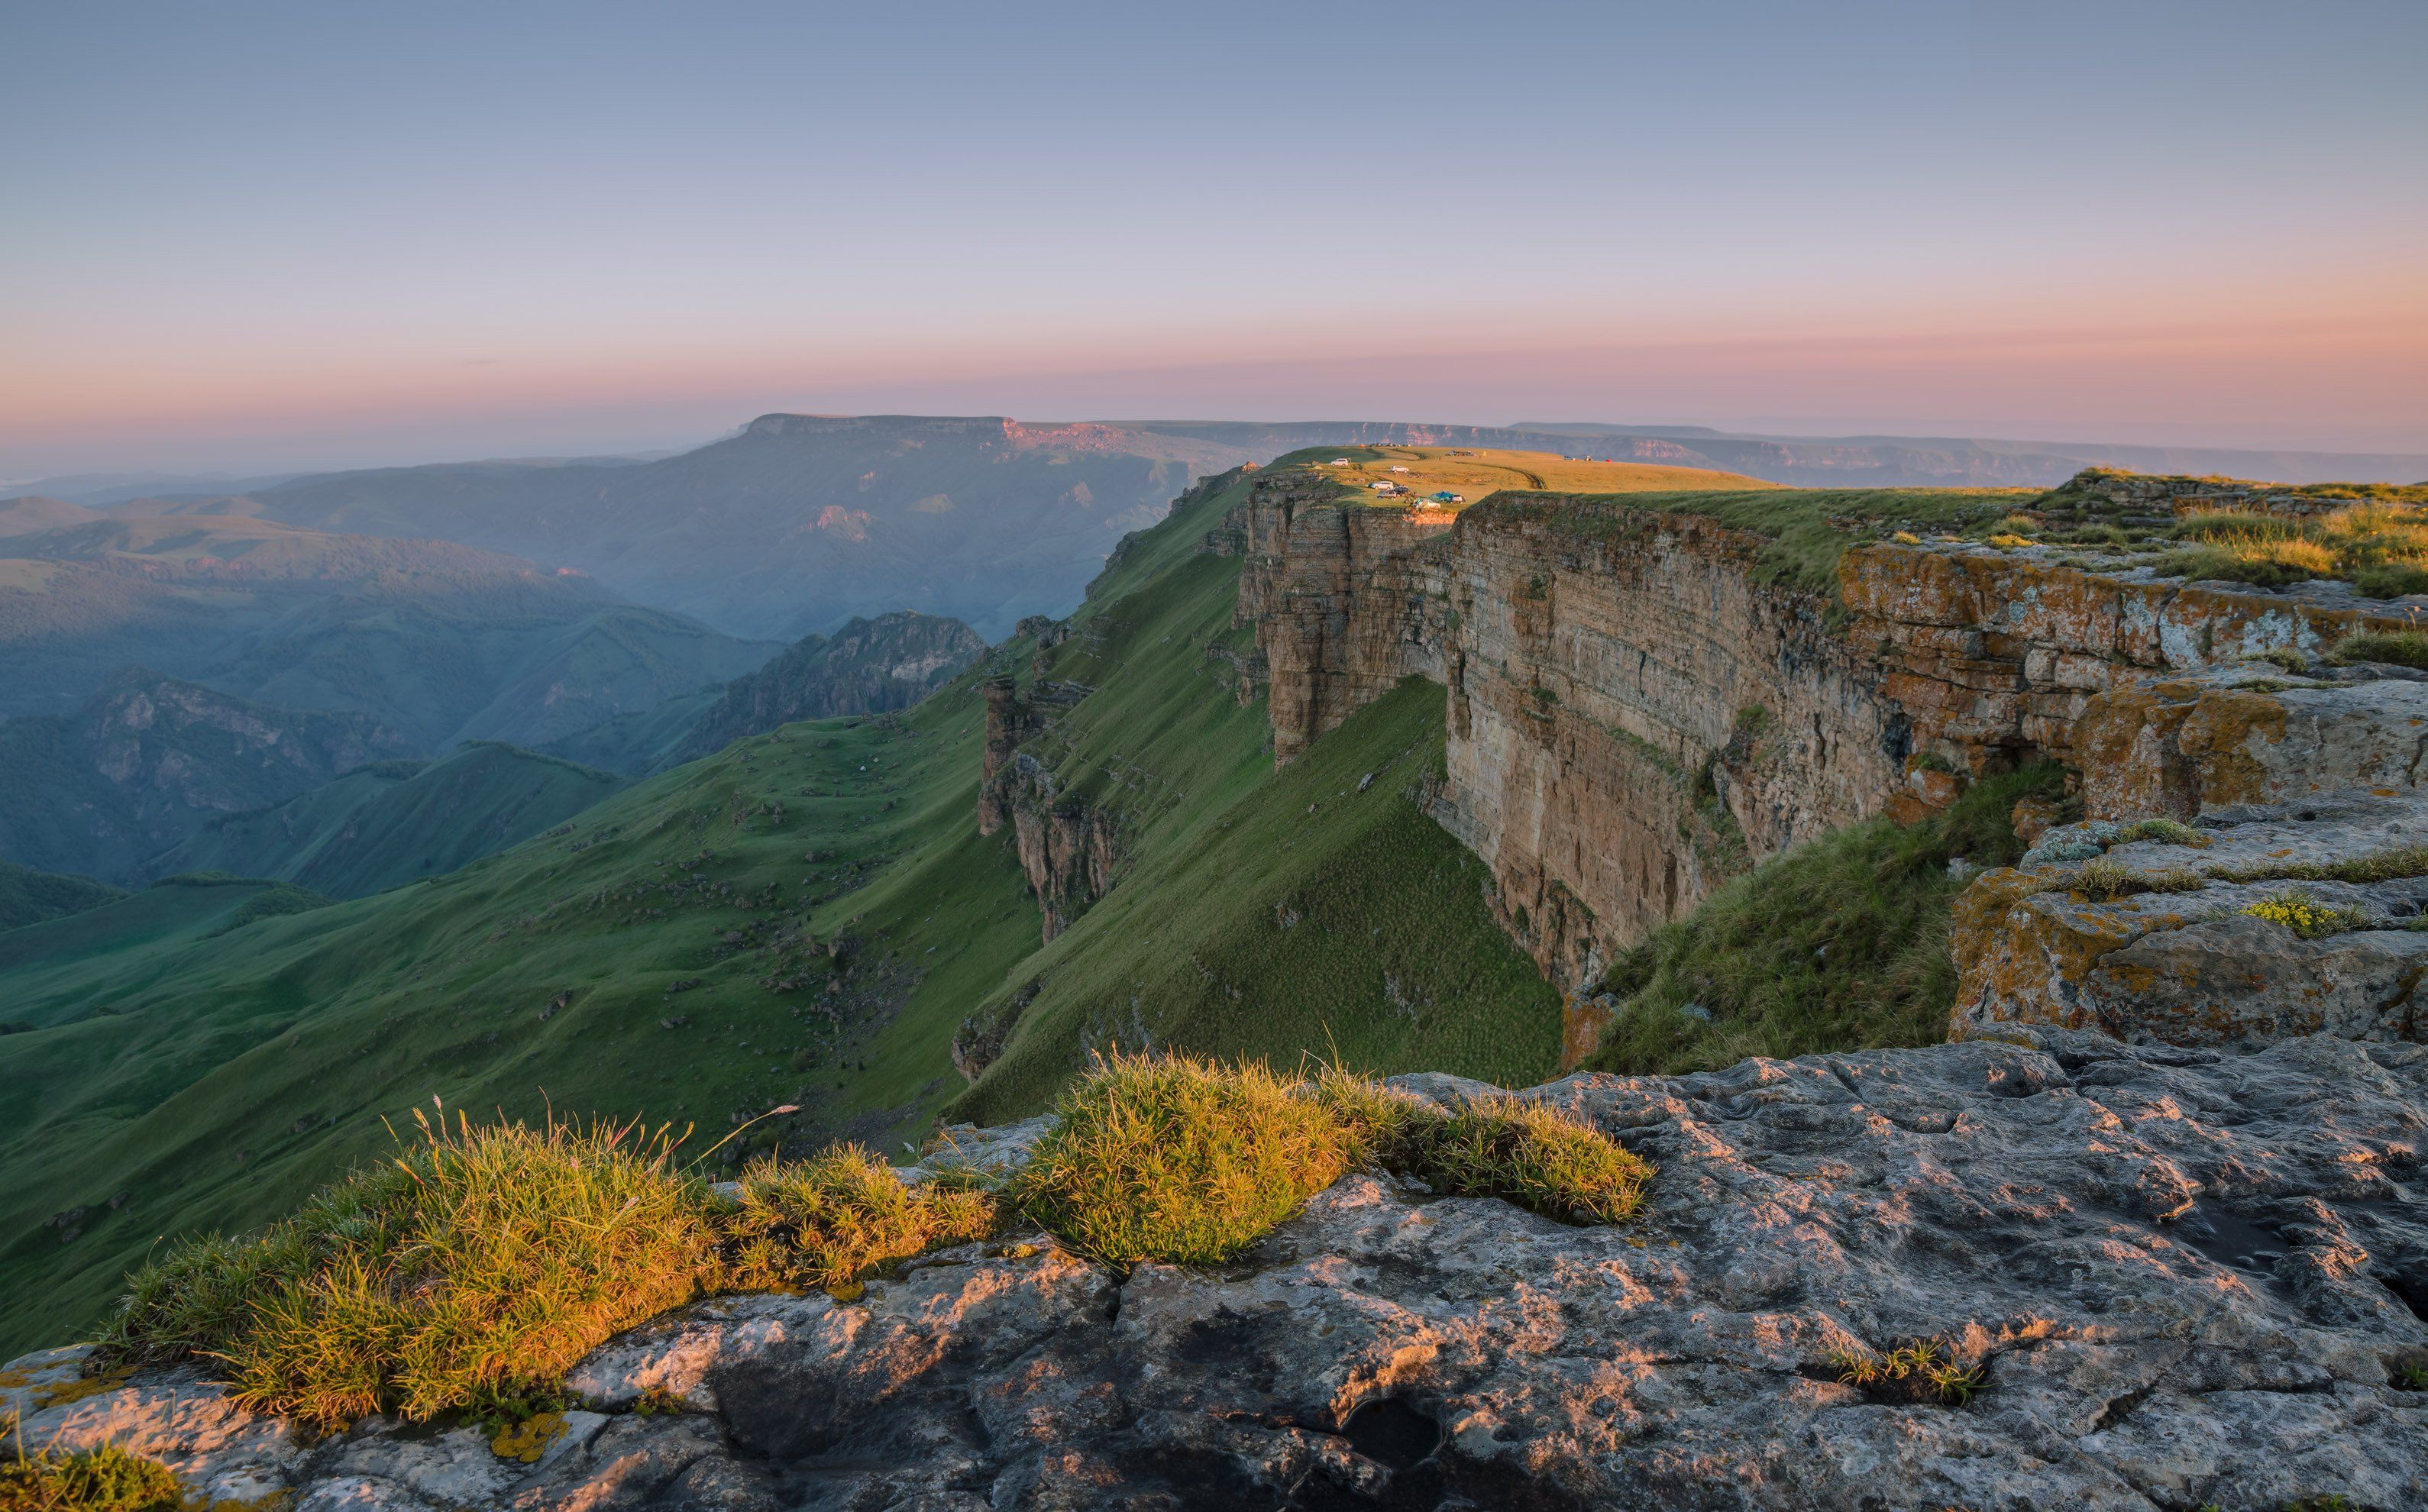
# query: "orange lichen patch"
528 1440
2217 737
2009 953
1910 585
59 1393
1582 1023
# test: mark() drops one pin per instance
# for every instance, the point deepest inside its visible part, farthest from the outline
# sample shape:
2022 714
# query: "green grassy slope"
670 952
395 822
28 896
175 910
240 1068
1394 958
1305 917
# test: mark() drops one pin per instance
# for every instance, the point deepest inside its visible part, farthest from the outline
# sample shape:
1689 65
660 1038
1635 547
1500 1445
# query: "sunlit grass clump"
2380 549
482 1261
478 1266
828 1221
102 1479
1172 1158
1923 1371
1179 1159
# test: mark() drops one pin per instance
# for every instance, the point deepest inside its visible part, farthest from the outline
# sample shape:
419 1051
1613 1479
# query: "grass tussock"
2399 864
482 1262
830 1219
102 1479
1537 1158
1924 1370
2382 551
1173 1158
2165 832
2104 879
1180 1160
1839 944
2400 647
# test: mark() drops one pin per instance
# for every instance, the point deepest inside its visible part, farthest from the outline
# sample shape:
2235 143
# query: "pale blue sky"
257 236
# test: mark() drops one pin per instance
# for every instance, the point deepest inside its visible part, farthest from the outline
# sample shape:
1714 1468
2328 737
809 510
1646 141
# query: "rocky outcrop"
2179 1279
2291 904
1068 847
1996 655
868 666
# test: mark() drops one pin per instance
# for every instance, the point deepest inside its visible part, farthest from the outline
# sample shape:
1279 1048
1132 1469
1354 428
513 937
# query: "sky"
246 237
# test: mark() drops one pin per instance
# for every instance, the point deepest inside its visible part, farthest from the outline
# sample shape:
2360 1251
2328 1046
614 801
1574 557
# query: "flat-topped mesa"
1649 695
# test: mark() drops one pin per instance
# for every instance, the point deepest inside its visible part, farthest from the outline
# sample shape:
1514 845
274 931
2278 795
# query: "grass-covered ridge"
1806 530
30 897
1838 943
2380 549
477 1266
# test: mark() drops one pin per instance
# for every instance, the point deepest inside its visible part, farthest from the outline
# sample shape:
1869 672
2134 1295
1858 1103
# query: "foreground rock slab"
2187 1277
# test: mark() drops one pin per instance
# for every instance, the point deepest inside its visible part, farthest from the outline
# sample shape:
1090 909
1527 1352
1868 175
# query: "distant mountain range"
147 759
801 522
437 641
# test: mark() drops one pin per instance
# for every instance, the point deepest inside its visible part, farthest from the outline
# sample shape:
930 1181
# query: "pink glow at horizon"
262 246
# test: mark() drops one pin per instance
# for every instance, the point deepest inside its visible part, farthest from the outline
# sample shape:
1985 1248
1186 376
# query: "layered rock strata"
1346 598
1639 710
1632 719
2289 904
2180 1279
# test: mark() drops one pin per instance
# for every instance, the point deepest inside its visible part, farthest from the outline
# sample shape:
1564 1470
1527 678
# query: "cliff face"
1346 598
1632 719
1635 714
